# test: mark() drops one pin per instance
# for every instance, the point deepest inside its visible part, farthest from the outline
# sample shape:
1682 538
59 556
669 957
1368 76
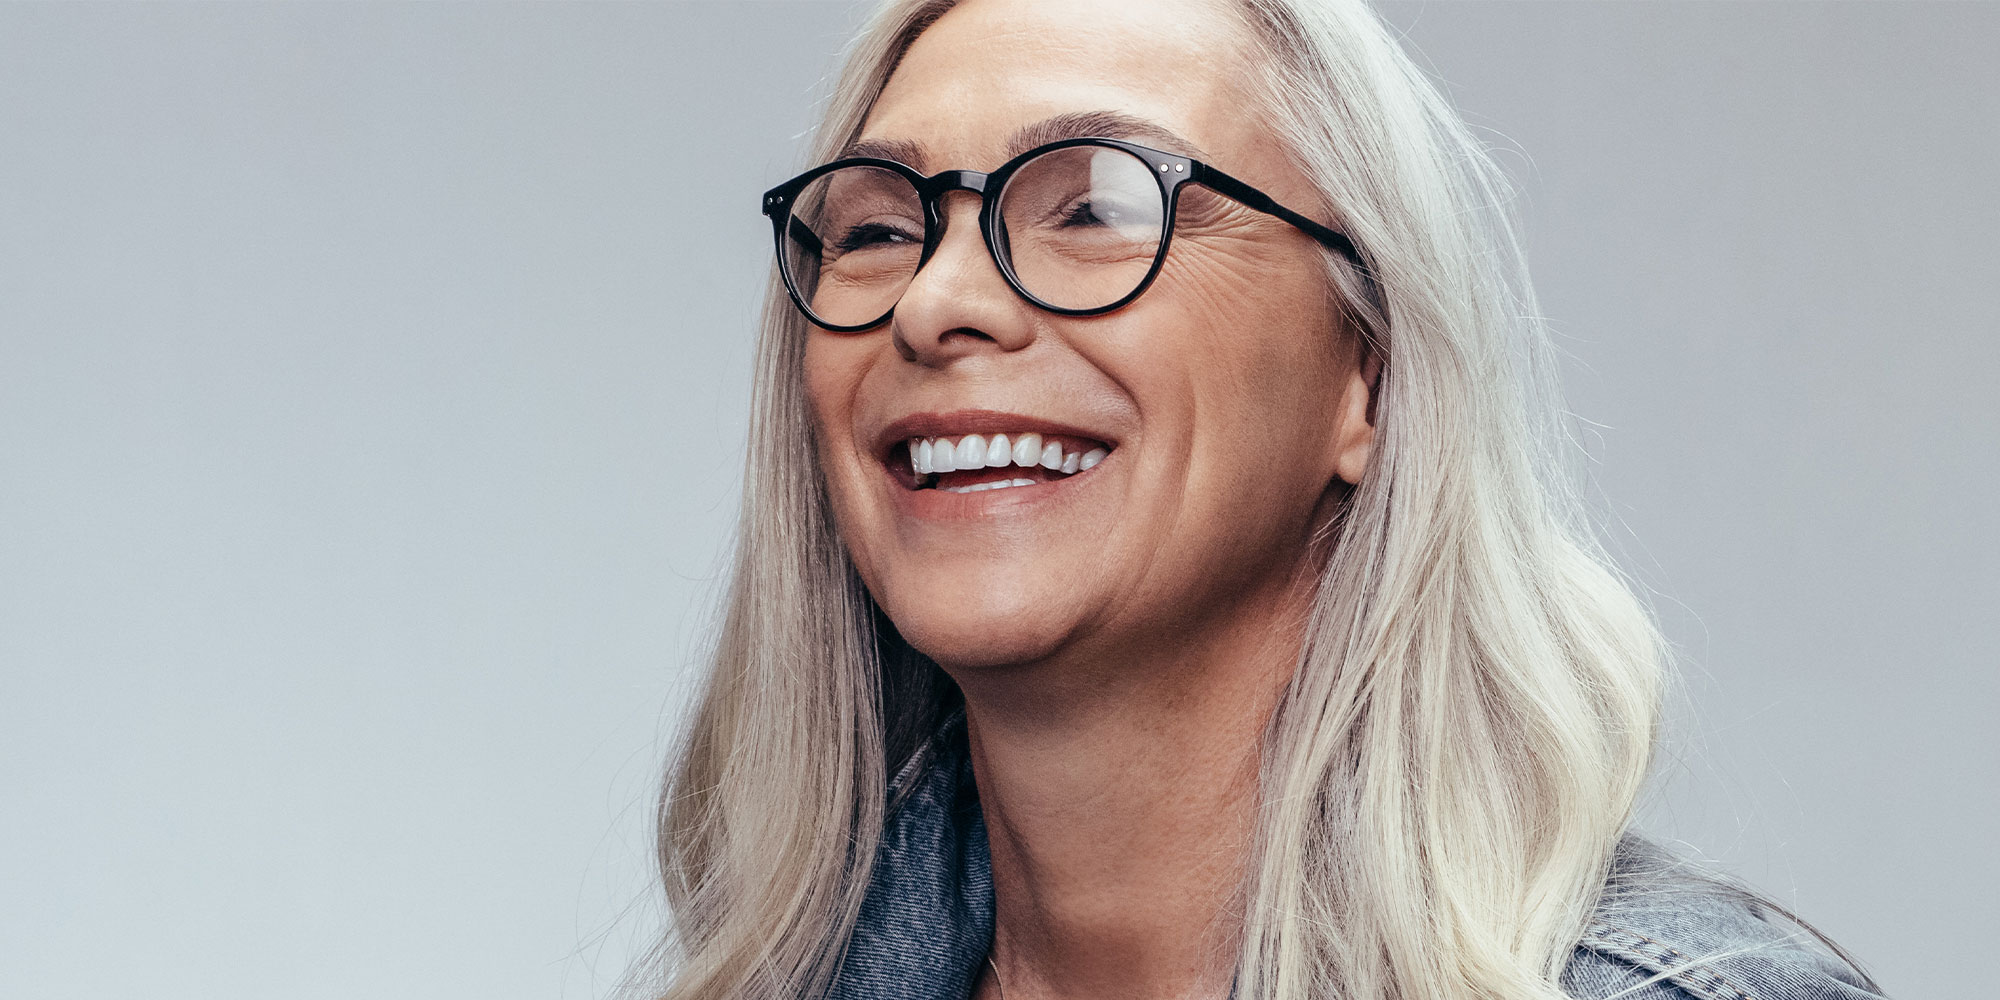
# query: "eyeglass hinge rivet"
1180 168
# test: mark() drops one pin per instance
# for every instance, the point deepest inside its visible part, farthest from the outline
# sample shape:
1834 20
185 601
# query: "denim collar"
926 922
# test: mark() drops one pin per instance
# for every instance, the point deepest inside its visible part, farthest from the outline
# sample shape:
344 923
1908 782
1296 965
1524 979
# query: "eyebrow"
1070 125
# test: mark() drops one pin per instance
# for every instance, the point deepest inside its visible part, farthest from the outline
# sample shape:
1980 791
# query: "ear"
1354 418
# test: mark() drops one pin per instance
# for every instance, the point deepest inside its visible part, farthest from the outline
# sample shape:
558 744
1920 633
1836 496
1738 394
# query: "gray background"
372 381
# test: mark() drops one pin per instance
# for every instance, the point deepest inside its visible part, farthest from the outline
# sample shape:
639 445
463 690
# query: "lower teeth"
998 484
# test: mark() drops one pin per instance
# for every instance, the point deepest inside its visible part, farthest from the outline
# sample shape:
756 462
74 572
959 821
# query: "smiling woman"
1157 576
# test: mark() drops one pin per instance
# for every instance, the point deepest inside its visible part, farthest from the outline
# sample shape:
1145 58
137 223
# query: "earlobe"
1354 421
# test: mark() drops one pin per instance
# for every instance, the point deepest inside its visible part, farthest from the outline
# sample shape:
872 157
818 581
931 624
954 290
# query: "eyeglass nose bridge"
932 192
943 182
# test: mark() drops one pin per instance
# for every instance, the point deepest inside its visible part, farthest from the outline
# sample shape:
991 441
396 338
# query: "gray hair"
1474 710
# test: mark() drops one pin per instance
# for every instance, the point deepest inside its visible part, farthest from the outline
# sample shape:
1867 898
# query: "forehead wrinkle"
1069 125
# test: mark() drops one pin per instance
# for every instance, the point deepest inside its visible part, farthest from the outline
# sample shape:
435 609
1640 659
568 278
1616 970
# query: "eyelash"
1085 213
860 236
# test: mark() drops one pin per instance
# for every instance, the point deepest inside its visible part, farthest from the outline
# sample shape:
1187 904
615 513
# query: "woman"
1156 578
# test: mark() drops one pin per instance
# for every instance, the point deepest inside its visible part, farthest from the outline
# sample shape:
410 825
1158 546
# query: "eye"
872 234
1109 210
1097 213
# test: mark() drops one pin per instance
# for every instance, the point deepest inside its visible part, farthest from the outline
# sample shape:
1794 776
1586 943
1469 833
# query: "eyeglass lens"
1079 226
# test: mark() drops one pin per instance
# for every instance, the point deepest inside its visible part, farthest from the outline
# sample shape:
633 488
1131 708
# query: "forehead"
993 77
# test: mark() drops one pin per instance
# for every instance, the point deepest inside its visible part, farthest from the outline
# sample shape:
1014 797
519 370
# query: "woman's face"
1227 398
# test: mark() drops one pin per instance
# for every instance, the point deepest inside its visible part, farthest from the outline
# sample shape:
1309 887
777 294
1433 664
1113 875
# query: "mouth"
974 463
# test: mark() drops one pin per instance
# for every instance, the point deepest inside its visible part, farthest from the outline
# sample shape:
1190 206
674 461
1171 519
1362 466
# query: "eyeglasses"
1078 227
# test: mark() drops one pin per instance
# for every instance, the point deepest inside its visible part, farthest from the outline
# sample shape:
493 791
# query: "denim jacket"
926 920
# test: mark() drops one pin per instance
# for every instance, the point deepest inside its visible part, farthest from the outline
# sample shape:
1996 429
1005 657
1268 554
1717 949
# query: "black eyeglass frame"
1170 170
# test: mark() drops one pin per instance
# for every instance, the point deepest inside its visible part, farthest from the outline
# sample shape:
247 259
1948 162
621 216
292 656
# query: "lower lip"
944 505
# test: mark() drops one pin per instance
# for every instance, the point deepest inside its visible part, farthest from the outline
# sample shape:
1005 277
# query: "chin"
973 627
957 653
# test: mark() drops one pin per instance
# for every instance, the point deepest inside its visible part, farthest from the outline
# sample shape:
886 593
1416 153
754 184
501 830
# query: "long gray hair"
1473 712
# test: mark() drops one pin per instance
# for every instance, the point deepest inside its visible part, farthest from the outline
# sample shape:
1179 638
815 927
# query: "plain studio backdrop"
373 384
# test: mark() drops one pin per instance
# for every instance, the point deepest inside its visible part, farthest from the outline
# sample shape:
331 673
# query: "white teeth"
971 452
977 487
931 456
1027 448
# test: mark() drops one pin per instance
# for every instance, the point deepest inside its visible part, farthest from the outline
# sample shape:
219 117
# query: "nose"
958 305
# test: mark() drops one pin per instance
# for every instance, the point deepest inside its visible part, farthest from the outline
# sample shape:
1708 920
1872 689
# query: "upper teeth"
973 451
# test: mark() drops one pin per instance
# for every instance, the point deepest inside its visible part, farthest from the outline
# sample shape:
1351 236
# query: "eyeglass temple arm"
1253 198
803 235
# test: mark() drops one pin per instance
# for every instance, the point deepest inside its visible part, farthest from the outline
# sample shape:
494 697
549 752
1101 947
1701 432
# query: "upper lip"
961 422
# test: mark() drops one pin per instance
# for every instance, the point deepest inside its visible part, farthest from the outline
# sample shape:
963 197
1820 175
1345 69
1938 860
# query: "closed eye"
1093 213
1087 213
871 234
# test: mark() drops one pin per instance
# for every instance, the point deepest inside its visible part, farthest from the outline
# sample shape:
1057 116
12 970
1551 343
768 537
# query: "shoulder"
1667 930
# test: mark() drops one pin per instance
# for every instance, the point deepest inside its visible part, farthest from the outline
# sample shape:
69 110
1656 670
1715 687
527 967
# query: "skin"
1121 650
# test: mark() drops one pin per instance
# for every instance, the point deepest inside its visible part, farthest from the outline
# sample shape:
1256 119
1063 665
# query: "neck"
1119 797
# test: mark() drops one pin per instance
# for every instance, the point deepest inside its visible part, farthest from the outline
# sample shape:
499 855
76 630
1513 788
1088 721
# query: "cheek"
823 377
1262 363
1244 375
835 368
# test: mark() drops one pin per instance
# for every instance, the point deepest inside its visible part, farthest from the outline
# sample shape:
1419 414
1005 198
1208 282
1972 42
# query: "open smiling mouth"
976 462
